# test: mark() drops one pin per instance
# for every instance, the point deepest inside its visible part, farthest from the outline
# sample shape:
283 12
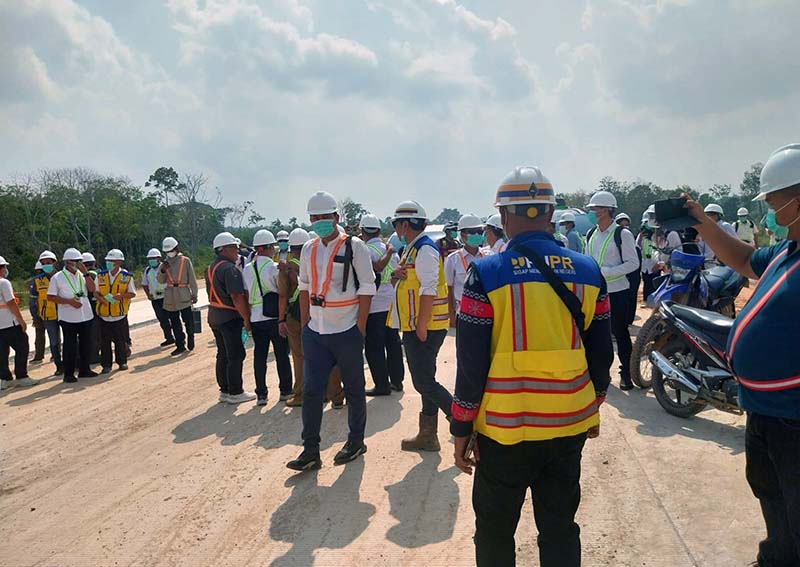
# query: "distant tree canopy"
446 216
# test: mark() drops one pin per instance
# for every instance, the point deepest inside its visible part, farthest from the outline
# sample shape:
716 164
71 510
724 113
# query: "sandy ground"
144 468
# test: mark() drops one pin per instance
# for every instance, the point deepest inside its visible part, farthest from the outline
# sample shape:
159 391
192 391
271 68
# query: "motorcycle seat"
713 323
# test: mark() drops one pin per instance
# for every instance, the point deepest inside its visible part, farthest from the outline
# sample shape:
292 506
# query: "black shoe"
36 360
377 392
90 374
123 366
177 351
59 371
625 385
349 453
190 342
307 461
396 387
167 342
337 405
70 379
105 370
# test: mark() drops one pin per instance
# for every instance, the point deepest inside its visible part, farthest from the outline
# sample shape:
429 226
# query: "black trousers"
394 356
113 332
772 448
375 350
648 286
422 365
264 333
177 328
620 319
163 318
230 356
635 280
552 471
14 338
78 338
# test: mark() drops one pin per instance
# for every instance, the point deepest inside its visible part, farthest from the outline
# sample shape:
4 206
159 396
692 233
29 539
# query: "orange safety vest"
179 283
320 294
213 297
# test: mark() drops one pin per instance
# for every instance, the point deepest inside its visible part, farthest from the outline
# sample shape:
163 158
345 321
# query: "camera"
317 301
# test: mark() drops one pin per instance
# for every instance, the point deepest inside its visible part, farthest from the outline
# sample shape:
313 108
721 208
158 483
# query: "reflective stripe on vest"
296 294
318 292
213 296
745 230
647 248
386 274
407 294
47 309
603 251
256 298
171 281
118 286
156 287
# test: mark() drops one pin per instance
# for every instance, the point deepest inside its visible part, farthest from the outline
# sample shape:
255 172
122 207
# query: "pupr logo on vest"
521 265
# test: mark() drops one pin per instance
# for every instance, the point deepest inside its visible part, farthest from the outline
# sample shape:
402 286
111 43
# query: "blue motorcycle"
687 283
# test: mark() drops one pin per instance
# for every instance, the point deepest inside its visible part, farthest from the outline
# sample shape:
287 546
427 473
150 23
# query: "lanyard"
462 254
77 292
326 284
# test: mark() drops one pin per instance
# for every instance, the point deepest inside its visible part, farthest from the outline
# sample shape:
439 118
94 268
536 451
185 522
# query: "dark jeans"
14 338
422 365
635 280
552 471
264 333
175 322
772 447
647 285
394 356
620 319
230 356
163 318
322 353
38 344
54 336
375 350
113 332
78 337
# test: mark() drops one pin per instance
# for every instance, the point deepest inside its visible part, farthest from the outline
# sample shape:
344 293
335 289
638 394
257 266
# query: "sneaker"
337 405
123 366
305 462
70 379
239 398
59 371
89 374
262 401
349 452
167 342
190 342
6 384
285 397
396 387
177 351
24 382
223 397
105 370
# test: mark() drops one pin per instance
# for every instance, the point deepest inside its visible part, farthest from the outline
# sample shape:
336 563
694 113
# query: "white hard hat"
169 244
298 237
781 171
72 254
264 238
409 210
495 221
312 235
321 203
650 210
603 199
225 239
567 217
154 253
713 208
525 186
88 257
38 265
469 221
622 216
115 254
282 235
3 262
742 212
47 255
370 222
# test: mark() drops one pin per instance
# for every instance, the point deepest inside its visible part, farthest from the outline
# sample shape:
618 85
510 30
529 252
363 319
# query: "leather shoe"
377 392
396 387
305 462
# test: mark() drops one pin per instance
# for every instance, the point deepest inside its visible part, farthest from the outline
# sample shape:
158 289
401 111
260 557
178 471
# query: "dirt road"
144 468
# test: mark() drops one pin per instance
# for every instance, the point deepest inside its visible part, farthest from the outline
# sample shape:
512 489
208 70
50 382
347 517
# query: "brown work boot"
295 401
427 439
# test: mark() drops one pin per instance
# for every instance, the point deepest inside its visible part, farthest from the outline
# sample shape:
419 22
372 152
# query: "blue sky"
384 100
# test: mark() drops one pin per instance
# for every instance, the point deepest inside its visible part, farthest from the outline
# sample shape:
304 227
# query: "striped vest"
407 293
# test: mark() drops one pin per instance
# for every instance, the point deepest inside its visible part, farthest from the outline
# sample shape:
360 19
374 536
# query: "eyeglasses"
473 231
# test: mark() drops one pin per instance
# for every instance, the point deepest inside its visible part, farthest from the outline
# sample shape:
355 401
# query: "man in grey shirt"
180 293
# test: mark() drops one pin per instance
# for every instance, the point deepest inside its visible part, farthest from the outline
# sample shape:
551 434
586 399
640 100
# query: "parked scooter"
690 370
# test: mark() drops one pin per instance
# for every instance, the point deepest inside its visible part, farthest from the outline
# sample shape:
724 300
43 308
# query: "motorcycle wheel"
674 402
641 367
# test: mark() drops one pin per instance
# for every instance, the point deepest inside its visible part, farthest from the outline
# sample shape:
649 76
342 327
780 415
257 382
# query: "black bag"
348 265
269 300
197 321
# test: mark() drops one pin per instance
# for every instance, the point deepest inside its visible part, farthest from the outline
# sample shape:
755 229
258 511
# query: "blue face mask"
283 246
475 240
592 217
153 263
110 266
47 268
324 227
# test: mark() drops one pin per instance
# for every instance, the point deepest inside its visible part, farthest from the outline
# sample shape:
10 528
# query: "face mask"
110 266
172 254
324 227
772 220
563 230
47 268
283 246
452 235
8 273
475 240
592 217
153 263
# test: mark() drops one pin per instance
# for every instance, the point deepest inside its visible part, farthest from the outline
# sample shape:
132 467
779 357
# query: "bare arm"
12 305
243 307
305 306
364 303
379 265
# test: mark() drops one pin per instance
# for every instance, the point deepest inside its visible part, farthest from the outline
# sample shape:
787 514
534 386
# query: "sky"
387 100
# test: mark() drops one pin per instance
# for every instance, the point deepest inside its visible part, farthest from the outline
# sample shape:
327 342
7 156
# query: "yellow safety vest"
407 293
47 309
106 286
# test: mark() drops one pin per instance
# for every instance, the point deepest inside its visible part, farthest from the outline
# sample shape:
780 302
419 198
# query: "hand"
422 334
82 268
399 272
305 322
247 327
283 329
695 208
75 302
24 326
194 300
593 432
390 249
362 328
464 464
118 297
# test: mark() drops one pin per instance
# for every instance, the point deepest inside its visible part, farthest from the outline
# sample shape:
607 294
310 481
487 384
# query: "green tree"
352 212
446 216
165 181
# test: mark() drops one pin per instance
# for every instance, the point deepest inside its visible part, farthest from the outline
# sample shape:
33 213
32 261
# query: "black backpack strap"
348 265
618 240
258 277
570 300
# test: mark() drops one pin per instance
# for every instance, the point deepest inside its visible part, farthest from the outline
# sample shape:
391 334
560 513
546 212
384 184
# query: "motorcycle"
687 283
690 370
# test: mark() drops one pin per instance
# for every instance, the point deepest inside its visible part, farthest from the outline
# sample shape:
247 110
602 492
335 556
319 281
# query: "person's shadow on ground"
316 517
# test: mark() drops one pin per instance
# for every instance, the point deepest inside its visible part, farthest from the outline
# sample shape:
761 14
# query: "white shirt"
150 281
613 266
62 284
268 273
330 320
672 242
131 289
7 318
384 297
455 270
426 266
728 227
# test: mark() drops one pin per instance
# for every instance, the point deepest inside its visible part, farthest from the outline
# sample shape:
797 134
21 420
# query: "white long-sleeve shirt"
455 270
268 274
426 266
614 267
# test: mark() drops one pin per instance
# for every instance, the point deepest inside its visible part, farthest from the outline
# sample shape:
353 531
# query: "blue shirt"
764 351
575 242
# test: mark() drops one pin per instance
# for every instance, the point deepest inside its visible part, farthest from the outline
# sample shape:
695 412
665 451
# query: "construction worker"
644 241
70 290
761 350
154 290
90 262
634 277
261 283
282 253
228 314
115 289
336 287
560 239
423 316
13 335
382 346
715 213
36 319
495 235
614 249
289 323
180 293
623 220
533 369
471 230
449 242
575 240
47 310
745 228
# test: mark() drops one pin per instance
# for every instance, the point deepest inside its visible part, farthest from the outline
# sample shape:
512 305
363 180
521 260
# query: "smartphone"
470 446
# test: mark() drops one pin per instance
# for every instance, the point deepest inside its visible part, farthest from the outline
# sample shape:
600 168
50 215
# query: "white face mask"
172 253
